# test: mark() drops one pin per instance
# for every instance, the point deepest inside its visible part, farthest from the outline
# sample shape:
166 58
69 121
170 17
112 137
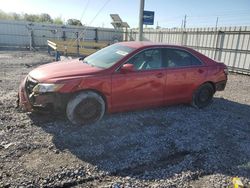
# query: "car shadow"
160 142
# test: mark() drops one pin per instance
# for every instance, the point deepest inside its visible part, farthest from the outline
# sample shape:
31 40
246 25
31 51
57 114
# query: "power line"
231 19
82 33
84 10
221 13
99 12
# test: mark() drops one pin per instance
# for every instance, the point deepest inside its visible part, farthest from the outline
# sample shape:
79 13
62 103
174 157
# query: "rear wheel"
203 96
86 107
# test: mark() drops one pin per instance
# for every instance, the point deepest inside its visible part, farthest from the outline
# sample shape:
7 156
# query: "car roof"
144 44
148 44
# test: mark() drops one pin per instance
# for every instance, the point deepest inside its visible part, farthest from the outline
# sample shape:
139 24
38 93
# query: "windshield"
108 56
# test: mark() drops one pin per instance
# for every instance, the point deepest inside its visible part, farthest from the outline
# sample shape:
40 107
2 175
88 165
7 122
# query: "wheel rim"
88 111
204 96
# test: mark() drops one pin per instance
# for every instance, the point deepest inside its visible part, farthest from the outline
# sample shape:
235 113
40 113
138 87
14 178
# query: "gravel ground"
176 146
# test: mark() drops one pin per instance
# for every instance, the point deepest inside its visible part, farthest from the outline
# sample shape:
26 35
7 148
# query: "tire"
84 108
203 96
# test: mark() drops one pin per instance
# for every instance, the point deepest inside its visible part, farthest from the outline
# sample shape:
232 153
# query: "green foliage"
74 22
31 17
44 17
5 16
38 18
58 21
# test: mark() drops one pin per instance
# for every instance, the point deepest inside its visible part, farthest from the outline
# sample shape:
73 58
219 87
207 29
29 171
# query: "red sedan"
124 76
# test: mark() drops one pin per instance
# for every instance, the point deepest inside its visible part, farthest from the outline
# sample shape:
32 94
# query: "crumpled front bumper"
23 99
46 102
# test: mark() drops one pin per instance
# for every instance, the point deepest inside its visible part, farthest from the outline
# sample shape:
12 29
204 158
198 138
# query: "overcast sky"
168 13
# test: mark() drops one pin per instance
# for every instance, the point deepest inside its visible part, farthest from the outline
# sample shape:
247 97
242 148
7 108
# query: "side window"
147 60
179 58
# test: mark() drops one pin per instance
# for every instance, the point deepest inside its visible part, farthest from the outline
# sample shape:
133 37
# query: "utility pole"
141 20
185 21
216 25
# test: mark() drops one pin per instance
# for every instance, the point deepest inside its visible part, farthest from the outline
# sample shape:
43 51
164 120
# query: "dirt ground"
176 146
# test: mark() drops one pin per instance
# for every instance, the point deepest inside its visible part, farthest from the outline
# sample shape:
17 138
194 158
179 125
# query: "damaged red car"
121 77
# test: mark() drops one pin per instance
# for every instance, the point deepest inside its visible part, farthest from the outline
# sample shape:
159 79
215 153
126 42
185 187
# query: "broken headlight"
45 88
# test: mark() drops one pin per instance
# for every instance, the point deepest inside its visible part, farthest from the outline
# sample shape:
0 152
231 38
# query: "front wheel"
86 107
203 96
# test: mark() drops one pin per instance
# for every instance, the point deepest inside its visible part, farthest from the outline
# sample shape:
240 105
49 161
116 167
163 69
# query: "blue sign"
148 17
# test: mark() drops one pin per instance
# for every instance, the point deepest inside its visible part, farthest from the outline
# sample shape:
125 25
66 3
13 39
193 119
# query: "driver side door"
142 87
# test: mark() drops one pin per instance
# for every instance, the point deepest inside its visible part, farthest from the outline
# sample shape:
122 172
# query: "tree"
58 21
44 17
4 16
31 17
74 22
15 16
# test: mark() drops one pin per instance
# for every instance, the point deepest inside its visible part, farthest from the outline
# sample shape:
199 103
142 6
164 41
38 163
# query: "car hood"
60 70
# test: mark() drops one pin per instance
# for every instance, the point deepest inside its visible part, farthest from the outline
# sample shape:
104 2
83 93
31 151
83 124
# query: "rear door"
144 86
184 74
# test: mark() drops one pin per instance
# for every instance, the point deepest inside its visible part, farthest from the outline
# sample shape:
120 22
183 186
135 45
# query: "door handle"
159 75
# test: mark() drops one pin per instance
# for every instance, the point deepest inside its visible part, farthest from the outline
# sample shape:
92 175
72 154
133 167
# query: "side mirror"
127 68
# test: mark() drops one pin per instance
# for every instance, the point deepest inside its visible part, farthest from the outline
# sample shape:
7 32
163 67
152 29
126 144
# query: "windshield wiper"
88 63
81 58
92 65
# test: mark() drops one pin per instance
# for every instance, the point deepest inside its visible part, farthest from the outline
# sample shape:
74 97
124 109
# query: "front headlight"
44 88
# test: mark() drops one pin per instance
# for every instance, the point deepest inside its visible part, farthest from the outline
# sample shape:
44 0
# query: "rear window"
179 58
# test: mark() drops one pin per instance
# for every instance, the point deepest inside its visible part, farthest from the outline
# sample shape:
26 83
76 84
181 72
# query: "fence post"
184 38
64 35
31 36
77 43
219 45
126 34
159 36
237 48
96 35
197 40
31 39
162 34
214 42
132 36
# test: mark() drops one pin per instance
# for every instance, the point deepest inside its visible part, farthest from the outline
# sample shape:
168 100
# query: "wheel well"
208 82
211 83
95 91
